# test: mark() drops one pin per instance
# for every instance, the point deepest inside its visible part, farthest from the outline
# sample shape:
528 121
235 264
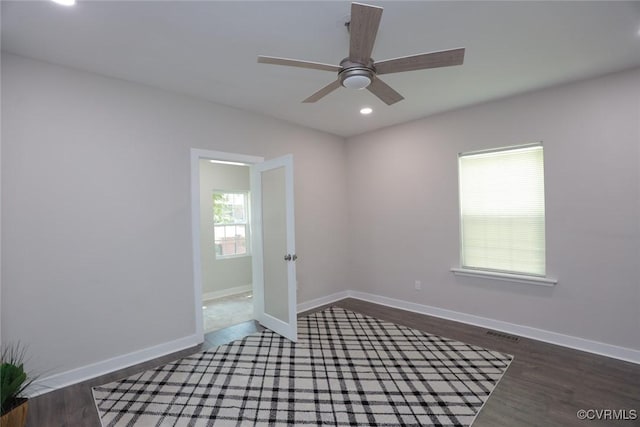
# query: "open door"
273 246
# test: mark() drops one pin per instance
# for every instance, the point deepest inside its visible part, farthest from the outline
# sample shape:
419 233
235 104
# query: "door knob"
287 257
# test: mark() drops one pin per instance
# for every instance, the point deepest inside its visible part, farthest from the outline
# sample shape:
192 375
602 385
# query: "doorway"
204 243
225 244
246 236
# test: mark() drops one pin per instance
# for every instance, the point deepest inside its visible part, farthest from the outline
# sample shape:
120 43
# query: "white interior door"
273 245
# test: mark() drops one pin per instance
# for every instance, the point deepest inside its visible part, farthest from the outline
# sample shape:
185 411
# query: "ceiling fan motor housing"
355 75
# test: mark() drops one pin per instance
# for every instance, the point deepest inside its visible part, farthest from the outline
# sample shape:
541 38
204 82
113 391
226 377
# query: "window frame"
499 274
246 224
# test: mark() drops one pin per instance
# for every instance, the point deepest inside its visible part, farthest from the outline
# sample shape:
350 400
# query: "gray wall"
220 274
96 222
404 178
96 233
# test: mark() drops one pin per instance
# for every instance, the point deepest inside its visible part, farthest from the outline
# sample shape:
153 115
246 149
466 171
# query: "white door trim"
196 156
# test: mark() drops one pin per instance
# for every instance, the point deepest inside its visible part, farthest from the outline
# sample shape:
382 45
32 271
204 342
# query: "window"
230 220
502 215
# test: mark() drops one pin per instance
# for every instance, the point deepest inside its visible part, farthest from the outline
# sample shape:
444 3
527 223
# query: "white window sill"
223 257
508 277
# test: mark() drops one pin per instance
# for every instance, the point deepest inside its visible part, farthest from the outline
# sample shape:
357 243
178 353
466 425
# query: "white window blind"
502 210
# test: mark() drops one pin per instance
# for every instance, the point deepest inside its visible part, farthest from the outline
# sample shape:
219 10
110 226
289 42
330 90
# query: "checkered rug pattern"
346 369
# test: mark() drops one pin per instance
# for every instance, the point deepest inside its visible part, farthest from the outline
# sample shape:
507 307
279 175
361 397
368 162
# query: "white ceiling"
208 49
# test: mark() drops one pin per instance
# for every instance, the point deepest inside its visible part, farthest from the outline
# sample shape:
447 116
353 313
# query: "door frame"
196 156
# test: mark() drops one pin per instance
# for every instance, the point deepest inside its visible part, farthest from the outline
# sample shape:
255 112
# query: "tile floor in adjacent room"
223 312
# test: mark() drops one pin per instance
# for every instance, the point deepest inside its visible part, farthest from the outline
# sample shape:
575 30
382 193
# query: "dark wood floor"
544 386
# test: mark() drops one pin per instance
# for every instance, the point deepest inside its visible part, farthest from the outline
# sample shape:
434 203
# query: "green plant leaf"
13 378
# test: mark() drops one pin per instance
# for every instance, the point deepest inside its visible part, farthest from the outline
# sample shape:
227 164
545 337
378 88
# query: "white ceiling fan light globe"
357 82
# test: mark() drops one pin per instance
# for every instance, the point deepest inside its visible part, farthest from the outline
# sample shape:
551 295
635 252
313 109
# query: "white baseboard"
74 376
83 373
308 305
603 349
226 292
93 370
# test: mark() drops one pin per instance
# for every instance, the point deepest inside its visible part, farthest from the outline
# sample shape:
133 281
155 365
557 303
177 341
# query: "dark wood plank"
544 386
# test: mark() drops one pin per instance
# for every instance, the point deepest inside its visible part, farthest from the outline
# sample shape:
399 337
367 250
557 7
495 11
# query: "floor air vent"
504 336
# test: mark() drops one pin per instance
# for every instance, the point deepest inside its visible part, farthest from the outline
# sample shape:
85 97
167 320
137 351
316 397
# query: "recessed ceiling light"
65 2
366 110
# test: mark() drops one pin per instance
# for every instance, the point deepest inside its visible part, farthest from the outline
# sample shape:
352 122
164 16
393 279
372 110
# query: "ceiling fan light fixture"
356 82
355 77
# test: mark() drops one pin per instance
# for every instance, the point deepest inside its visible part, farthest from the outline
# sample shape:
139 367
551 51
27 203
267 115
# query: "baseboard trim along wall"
226 292
74 376
603 349
318 302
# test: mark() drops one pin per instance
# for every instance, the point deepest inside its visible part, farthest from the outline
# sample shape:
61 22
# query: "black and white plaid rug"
347 369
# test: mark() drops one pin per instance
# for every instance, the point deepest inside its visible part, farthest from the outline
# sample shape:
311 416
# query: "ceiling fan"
359 70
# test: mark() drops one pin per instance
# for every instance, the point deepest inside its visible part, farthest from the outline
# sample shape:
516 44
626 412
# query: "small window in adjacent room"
231 225
502 213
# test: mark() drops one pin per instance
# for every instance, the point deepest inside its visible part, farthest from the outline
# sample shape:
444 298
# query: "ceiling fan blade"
384 91
323 92
297 63
444 58
363 27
